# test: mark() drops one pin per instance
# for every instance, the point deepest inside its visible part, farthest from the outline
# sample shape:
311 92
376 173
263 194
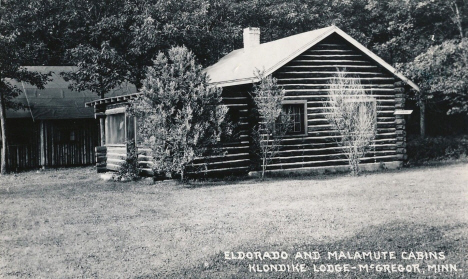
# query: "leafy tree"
442 72
268 97
353 114
179 114
99 71
15 48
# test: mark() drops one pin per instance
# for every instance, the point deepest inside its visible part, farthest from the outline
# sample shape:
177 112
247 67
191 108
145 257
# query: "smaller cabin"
55 129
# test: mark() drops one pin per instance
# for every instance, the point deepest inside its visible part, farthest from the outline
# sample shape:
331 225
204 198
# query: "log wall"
232 157
306 78
234 154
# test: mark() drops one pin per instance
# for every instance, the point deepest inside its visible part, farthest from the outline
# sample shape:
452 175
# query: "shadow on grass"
397 237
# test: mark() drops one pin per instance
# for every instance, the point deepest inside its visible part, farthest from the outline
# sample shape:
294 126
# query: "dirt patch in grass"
85 227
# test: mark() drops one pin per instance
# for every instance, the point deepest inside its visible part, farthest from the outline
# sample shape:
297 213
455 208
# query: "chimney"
251 38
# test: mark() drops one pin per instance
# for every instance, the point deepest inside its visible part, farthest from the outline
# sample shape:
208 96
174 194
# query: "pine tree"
180 115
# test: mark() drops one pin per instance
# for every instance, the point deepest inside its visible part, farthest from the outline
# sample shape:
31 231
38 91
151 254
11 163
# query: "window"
115 128
295 113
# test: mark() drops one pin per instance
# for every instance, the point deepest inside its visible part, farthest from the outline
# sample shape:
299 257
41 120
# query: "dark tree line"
116 40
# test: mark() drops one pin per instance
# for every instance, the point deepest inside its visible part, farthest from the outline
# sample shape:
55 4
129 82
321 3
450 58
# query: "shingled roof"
56 100
238 67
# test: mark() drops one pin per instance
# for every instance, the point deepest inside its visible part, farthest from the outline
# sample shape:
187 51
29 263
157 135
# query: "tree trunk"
263 167
3 160
422 119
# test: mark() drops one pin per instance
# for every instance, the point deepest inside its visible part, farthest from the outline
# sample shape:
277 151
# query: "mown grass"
68 223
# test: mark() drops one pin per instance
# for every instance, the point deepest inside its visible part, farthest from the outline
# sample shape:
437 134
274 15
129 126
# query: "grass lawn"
69 223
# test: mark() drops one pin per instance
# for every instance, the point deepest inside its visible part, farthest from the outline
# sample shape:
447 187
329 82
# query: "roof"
238 67
56 100
113 100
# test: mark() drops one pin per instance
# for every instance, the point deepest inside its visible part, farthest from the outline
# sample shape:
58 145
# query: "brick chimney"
251 38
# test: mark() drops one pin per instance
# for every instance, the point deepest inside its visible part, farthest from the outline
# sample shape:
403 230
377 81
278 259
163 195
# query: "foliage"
15 48
179 115
353 114
436 148
442 72
267 135
99 70
129 170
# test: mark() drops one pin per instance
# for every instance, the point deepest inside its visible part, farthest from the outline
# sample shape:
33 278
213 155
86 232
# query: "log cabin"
54 129
303 64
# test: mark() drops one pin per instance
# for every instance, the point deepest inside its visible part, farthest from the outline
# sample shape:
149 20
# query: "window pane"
115 128
295 114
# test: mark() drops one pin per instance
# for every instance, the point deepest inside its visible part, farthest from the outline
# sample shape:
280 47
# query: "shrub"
436 148
129 170
267 135
352 113
180 116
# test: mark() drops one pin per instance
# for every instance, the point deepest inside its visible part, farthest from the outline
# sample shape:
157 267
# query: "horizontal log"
369 166
100 149
113 167
323 98
298 151
327 156
116 156
100 159
101 169
313 144
331 162
331 67
222 162
230 169
321 79
330 50
332 73
115 161
117 149
327 90
147 171
326 86
145 162
330 55
330 138
142 158
101 164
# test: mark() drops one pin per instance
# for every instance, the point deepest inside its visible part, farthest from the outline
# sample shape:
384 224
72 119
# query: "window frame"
112 112
304 104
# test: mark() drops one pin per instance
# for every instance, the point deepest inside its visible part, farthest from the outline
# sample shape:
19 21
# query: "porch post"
102 126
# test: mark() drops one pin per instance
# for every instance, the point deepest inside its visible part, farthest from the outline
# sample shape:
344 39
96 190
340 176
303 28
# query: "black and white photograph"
234 139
